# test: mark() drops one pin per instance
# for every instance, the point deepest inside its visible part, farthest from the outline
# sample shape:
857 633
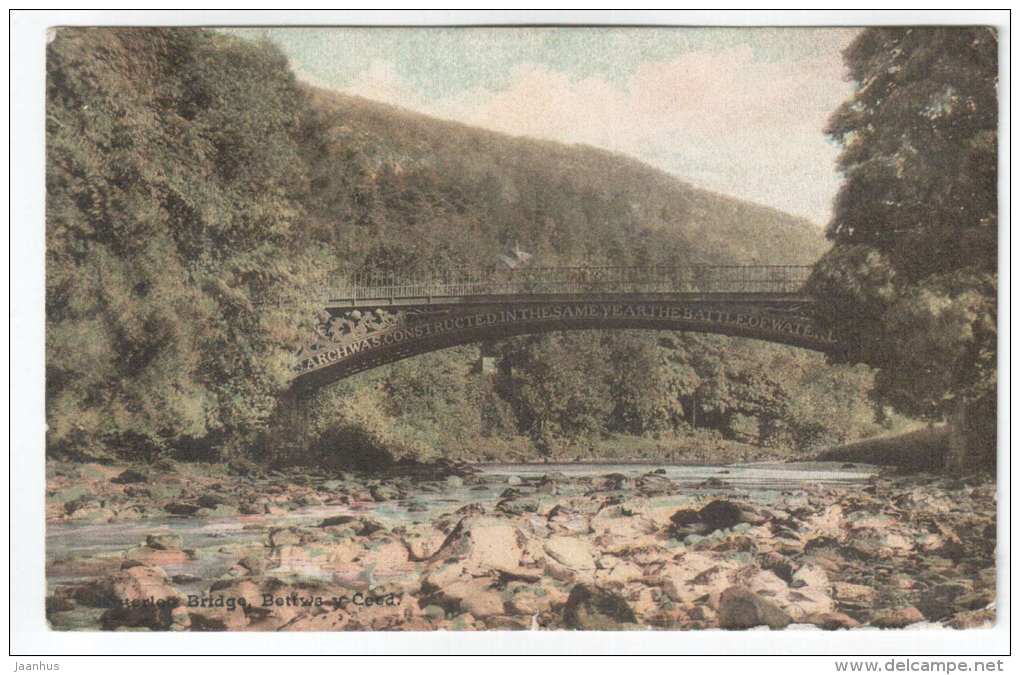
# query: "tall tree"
911 281
173 192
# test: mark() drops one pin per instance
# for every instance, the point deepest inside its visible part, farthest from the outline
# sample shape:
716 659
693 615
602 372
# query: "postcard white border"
30 636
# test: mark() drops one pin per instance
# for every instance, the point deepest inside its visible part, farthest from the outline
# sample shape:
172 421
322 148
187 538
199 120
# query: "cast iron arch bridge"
374 318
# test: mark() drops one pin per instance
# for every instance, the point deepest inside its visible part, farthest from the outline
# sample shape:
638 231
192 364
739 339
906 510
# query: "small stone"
209 501
778 565
981 618
163 542
897 618
687 522
310 499
831 620
477 596
185 579
130 476
517 507
941 601
854 593
181 508
253 564
615 481
159 557
383 493
180 619
332 521
284 536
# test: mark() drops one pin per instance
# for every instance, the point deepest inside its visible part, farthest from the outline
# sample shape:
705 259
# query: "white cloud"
723 119
381 82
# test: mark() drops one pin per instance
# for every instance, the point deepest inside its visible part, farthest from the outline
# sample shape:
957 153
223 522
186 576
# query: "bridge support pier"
288 433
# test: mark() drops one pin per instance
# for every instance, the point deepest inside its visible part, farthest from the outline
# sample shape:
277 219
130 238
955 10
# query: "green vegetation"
912 279
174 210
198 195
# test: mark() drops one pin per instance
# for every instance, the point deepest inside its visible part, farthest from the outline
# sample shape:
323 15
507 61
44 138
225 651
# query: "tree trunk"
972 437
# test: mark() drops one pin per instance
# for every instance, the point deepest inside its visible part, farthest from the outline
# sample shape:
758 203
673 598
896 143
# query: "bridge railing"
382 285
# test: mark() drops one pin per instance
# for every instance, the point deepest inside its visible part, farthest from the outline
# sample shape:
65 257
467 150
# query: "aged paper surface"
521 328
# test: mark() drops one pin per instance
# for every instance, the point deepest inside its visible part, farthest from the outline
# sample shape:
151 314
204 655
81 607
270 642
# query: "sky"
740 111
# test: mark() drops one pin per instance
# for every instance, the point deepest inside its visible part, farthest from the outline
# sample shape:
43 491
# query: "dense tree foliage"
198 195
394 188
911 281
174 193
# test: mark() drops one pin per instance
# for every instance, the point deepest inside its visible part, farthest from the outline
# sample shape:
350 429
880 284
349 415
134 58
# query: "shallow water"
751 477
761 482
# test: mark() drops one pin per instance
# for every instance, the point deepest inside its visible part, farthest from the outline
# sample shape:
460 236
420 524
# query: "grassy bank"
919 450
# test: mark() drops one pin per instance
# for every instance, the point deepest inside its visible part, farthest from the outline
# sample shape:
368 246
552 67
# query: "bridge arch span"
350 341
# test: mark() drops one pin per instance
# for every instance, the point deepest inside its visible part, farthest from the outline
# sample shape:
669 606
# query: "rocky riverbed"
194 547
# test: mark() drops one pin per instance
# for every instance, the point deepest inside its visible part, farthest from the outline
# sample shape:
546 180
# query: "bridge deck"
762 298
762 283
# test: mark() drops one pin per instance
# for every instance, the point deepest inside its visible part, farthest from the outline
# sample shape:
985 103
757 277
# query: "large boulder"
654 484
797 602
422 542
695 575
569 558
590 608
940 602
720 514
740 608
143 597
831 621
615 573
388 560
478 596
534 597
159 550
89 511
854 594
481 546
568 521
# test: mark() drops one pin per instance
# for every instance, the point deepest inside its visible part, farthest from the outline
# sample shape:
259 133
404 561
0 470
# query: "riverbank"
923 449
692 450
202 549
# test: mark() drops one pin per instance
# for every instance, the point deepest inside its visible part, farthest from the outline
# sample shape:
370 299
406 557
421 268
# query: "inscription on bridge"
409 328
